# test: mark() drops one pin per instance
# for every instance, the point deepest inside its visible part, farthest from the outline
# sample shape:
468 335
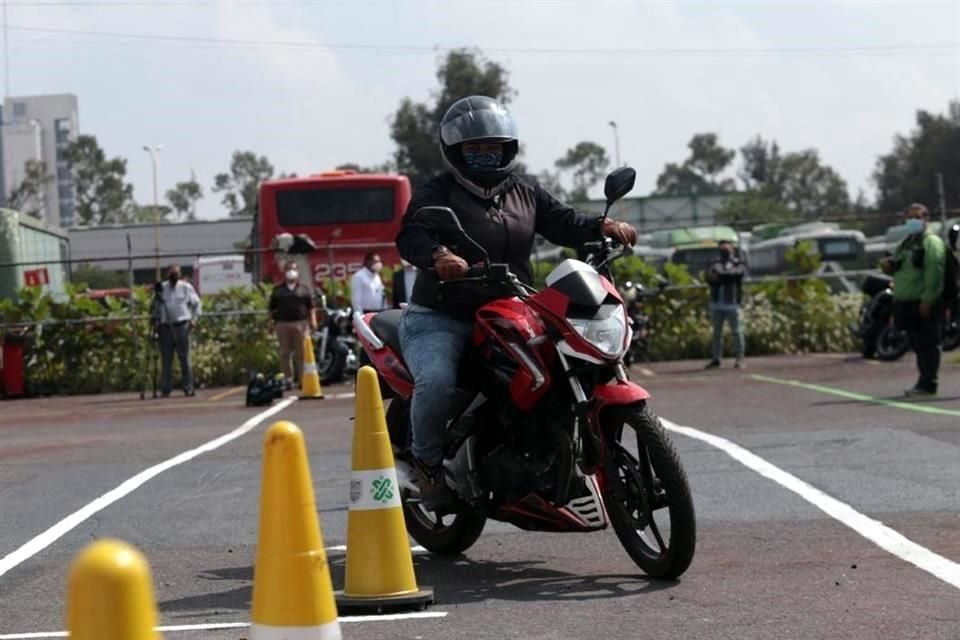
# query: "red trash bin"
14 343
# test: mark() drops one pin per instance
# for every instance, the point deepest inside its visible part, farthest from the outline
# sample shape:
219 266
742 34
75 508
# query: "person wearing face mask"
918 266
366 287
725 276
177 313
403 282
292 314
503 212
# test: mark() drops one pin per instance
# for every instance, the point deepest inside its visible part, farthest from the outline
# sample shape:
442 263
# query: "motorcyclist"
502 212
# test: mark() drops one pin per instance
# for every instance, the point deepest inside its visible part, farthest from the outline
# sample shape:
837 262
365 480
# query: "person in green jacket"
918 269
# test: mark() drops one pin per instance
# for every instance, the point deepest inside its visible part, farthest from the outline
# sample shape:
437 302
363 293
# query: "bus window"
838 249
335 206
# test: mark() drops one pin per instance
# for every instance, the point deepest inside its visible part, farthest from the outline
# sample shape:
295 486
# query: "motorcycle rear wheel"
448 535
644 487
892 344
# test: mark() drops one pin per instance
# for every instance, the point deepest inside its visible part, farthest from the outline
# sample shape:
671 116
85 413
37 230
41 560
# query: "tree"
102 195
550 181
797 180
909 172
29 196
183 198
384 167
700 173
149 213
241 187
810 187
751 208
415 124
587 161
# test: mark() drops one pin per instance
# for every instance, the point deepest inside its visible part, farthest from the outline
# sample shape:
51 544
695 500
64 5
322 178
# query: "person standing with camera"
177 311
918 267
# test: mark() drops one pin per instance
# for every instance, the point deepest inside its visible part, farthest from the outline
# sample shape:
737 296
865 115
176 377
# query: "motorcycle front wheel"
332 364
646 493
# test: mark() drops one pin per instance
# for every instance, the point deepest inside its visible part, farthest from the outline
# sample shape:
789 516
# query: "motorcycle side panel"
512 324
389 365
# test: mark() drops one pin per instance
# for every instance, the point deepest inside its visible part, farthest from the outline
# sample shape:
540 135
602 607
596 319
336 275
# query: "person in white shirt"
176 313
366 287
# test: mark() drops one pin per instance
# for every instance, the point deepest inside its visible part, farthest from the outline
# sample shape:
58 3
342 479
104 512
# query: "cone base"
311 397
408 602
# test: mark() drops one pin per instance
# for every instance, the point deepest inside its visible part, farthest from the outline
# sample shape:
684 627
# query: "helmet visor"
495 124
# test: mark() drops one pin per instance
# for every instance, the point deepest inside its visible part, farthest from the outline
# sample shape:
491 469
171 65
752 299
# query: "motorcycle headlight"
607 335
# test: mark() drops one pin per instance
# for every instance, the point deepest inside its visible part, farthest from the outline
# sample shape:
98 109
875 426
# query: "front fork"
588 448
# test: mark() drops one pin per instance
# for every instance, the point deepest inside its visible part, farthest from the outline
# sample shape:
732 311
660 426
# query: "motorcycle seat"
386 325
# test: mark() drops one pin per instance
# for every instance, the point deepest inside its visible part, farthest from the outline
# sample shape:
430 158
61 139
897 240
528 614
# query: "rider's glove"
622 232
449 265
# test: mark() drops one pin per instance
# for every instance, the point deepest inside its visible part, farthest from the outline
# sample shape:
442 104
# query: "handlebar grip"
475 272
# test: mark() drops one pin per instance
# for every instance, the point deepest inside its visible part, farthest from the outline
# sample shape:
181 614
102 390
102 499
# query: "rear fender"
389 365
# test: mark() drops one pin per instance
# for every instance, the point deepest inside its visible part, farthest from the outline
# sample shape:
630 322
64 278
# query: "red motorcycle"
547 431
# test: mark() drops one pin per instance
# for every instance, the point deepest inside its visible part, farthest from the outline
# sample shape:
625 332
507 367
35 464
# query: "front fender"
621 394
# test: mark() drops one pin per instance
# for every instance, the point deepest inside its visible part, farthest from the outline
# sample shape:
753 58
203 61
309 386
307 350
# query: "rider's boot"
435 495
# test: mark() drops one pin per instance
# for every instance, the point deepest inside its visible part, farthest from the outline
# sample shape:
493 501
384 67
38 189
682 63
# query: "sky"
312 84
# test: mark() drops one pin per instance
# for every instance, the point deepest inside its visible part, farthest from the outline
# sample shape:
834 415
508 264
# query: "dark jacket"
399 292
505 227
290 305
725 277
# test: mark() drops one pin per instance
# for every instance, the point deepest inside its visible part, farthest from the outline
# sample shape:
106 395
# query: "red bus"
346 214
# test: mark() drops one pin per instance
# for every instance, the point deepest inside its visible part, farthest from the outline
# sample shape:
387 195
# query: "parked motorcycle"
635 297
547 431
875 327
335 344
877 331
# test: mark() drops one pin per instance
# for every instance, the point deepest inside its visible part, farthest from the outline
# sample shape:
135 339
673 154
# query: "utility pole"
153 150
943 202
616 143
6 54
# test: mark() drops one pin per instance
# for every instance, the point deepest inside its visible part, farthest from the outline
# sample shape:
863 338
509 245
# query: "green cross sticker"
382 490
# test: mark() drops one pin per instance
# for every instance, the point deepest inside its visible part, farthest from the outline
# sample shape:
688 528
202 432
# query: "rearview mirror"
442 219
619 183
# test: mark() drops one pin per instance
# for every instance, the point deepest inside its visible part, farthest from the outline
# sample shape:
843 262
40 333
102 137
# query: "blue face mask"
483 161
914 226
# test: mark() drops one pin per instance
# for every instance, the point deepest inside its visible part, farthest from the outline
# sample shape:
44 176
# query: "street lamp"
616 142
153 150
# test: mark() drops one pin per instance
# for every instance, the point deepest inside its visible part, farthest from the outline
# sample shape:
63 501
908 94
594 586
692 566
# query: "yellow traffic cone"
309 379
379 562
110 594
292 590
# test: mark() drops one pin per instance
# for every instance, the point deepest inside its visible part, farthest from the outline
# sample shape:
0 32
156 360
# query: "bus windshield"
307 207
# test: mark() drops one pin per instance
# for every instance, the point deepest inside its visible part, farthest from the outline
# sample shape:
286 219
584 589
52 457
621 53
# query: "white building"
38 128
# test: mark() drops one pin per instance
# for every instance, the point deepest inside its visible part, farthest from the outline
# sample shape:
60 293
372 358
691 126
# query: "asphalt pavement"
827 506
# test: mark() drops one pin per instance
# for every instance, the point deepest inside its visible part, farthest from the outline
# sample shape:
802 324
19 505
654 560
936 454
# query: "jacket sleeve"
415 243
560 224
934 269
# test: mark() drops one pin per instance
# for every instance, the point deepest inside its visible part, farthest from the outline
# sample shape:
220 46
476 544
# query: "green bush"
99 356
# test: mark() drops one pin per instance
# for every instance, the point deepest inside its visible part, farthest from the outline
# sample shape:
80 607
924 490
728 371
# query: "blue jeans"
733 317
433 345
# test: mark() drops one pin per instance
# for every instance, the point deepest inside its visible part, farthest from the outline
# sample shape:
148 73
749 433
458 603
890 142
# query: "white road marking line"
647 372
880 534
341 396
54 533
343 548
240 625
